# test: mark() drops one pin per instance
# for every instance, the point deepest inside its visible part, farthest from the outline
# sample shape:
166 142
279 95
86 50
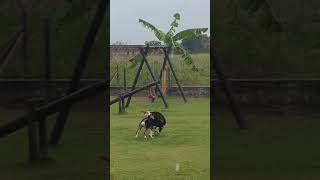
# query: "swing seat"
152 96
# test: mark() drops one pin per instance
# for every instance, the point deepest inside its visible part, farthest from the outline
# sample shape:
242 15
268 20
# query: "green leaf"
189 34
173 25
185 55
176 16
135 60
158 33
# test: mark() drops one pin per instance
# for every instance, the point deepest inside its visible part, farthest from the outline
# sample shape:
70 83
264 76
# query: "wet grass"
76 157
277 145
184 140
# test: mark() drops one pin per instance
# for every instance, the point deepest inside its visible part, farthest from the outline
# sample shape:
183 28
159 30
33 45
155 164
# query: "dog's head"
147 114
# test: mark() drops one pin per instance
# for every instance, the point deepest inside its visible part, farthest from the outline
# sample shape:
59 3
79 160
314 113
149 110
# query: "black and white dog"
151 121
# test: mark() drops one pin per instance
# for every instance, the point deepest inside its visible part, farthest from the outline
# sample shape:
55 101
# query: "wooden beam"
32 132
137 76
9 42
175 76
80 66
129 94
7 55
155 79
54 106
25 55
226 85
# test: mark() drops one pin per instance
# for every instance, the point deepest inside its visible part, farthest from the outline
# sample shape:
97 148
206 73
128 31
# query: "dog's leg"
145 136
160 129
151 133
138 130
156 131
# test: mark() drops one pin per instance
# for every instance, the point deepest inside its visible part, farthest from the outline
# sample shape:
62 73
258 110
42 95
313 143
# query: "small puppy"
150 122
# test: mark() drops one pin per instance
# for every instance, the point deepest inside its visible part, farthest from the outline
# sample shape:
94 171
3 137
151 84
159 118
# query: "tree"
171 38
197 44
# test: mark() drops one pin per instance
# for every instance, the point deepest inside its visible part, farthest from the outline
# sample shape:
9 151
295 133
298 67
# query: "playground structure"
8 48
38 112
144 50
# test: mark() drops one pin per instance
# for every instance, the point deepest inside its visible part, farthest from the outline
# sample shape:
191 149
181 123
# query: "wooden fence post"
118 76
124 80
169 82
43 135
32 132
174 75
120 104
43 138
123 105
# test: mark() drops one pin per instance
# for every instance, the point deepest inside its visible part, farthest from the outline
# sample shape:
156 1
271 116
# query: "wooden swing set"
144 50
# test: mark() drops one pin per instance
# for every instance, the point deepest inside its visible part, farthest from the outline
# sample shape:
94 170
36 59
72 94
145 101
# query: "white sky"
124 14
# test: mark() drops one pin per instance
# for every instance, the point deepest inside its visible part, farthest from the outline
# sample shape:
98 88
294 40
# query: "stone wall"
248 92
273 92
196 91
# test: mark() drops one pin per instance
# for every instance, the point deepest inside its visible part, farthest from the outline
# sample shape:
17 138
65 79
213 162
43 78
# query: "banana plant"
171 39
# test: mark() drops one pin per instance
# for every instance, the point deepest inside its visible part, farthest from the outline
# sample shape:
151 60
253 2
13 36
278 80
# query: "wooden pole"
136 78
9 52
227 88
9 42
175 76
54 106
164 81
123 105
32 132
162 69
120 104
155 79
43 138
80 67
47 49
118 75
25 44
129 94
124 80
6 46
169 82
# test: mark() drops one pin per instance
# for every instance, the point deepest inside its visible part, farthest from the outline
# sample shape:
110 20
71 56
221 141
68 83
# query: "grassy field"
76 157
185 140
185 75
282 146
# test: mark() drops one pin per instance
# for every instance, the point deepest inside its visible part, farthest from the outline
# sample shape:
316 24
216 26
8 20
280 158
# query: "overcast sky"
125 14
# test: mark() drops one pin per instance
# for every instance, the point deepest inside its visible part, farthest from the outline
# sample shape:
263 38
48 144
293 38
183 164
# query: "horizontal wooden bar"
134 91
54 107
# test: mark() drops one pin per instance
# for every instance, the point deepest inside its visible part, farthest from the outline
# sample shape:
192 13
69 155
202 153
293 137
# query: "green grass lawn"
76 157
185 139
282 146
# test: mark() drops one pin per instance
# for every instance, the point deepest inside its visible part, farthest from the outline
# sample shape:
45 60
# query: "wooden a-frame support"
80 67
226 85
144 52
167 59
158 89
